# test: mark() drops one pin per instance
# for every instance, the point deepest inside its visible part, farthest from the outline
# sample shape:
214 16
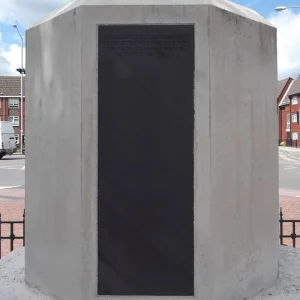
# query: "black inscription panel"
146 161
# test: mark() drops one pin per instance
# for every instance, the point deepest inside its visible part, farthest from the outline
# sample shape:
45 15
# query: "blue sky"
26 12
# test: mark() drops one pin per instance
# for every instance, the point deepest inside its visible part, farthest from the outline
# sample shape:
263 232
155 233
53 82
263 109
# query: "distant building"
10 102
288 104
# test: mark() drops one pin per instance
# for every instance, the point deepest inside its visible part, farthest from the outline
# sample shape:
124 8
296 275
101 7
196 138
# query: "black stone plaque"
146 160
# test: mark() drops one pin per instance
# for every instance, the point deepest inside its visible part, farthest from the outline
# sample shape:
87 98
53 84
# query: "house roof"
11 85
295 88
280 87
281 84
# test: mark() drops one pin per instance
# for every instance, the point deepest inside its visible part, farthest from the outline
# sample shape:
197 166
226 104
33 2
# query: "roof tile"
11 85
295 88
281 85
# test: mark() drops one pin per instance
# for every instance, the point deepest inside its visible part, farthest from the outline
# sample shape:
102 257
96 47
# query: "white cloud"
27 12
288 32
24 13
10 58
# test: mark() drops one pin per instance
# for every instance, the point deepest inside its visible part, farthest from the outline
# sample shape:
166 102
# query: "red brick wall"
4 109
282 117
282 112
294 126
4 113
280 121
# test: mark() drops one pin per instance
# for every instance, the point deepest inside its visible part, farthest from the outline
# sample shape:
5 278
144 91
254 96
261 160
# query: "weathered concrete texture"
236 166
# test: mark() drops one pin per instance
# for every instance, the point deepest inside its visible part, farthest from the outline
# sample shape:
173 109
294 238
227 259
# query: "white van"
8 143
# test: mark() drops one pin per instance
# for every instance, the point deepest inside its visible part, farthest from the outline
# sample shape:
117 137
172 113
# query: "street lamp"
22 71
280 8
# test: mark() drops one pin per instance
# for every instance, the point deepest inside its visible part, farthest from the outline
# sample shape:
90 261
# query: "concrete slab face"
53 153
235 150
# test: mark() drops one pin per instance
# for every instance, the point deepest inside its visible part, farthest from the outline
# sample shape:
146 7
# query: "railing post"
293 235
12 236
281 226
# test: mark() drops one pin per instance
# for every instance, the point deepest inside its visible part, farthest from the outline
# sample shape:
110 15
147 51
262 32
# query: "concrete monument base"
161 177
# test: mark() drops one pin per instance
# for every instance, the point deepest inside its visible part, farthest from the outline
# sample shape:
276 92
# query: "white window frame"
13 102
295 100
14 120
17 139
294 118
295 136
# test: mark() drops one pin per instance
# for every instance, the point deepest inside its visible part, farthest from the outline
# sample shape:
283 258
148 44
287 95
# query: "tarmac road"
12 172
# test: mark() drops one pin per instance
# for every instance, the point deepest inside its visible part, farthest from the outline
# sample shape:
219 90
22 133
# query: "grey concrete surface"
11 172
289 170
236 234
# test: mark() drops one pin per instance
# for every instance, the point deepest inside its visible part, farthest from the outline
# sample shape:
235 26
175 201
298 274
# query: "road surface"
12 173
289 172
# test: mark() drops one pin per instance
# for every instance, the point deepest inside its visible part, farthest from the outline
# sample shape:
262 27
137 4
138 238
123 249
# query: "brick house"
10 102
288 110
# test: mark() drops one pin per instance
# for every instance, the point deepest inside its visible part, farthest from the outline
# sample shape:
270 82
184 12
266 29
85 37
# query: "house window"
295 136
288 121
14 121
295 100
13 102
294 118
17 139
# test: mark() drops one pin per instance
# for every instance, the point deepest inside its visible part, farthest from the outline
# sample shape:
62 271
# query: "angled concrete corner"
235 175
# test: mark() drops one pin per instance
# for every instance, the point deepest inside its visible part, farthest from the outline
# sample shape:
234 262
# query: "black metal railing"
293 234
12 237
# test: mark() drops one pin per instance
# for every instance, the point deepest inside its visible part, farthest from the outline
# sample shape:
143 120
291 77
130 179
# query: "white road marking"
288 157
9 187
290 168
20 167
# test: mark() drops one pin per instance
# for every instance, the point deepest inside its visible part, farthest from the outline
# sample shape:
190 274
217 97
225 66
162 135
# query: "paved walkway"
11 209
291 211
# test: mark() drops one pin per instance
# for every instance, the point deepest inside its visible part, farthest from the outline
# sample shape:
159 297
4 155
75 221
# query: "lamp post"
280 8
22 71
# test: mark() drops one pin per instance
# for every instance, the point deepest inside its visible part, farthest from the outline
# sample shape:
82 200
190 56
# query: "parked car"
8 143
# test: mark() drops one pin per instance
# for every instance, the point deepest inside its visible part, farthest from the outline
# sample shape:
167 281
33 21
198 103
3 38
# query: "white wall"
236 176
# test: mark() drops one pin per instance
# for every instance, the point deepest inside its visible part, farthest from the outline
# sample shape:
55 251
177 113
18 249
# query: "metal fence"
293 235
11 237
